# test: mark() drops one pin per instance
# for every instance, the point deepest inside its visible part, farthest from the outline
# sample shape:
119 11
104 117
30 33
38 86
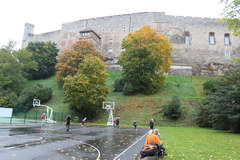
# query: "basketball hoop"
109 106
36 102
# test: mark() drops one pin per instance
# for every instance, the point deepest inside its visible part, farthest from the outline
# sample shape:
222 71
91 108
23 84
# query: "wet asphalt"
53 142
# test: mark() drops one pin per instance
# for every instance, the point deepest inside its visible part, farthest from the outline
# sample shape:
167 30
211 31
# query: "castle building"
201 46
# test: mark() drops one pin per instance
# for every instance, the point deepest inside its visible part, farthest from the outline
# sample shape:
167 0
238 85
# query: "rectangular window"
110 50
227 54
110 41
187 38
212 40
85 34
227 39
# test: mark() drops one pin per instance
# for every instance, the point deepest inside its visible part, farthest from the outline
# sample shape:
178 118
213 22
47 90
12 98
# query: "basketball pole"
110 118
109 106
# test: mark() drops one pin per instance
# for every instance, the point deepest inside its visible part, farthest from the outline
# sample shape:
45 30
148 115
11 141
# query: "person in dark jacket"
151 124
117 122
135 124
68 122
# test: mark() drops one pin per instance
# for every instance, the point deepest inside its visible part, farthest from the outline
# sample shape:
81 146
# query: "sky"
49 15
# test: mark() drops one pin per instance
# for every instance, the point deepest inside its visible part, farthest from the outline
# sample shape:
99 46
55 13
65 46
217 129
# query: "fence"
29 116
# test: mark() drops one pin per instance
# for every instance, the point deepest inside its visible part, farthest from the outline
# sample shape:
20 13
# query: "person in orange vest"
152 138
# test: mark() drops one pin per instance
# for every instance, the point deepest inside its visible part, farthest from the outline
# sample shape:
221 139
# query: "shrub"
211 86
202 115
173 110
128 89
39 92
118 85
8 99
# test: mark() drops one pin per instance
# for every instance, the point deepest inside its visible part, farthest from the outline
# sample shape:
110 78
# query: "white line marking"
130 146
92 147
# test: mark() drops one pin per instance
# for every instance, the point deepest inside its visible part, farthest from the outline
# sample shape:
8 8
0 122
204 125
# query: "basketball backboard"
36 102
108 105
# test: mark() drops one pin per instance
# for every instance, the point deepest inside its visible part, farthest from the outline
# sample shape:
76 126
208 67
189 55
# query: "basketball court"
53 142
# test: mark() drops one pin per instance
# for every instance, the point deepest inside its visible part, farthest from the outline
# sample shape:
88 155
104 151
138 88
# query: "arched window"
227 41
212 40
187 38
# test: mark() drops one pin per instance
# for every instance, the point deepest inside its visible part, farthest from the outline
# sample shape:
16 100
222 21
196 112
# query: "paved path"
53 142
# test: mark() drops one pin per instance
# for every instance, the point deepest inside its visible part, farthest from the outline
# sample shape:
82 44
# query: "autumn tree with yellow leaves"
146 58
69 60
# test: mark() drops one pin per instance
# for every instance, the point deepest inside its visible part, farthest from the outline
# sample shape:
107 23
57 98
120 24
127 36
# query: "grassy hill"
142 107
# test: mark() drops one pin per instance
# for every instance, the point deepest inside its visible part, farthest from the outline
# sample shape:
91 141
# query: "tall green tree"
221 110
14 67
145 60
86 90
69 59
44 53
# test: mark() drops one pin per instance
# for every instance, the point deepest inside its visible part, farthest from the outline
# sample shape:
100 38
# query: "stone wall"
198 53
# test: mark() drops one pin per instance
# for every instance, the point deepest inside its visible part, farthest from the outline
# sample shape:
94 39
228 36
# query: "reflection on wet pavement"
52 141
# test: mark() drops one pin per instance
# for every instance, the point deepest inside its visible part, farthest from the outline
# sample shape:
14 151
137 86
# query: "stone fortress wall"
197 57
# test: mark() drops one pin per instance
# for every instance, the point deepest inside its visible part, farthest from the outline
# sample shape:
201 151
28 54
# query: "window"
227 39
227 54
124 29
187 38
212 40
110 50
110 41
85 34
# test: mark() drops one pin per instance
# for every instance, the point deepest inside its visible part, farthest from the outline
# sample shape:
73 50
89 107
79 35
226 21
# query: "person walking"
84 120
117 122
135 124
68 122
151 124
43 117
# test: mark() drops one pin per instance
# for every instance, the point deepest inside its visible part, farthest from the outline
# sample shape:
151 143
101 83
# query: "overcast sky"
48 15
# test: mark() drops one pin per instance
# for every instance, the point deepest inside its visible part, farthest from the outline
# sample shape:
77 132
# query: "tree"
28 94
14 67
70 59
173 109
44 53
86 90
145 60
231 15
222 108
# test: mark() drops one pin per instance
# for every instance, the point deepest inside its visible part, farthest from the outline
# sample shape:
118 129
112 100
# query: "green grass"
141 107
197 82
191 143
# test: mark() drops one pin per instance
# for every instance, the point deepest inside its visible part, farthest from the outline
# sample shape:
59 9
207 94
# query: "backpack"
149 150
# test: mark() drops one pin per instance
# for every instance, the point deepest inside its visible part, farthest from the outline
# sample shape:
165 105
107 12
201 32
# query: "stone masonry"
201 46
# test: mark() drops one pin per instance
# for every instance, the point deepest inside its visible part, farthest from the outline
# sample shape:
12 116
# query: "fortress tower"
28 32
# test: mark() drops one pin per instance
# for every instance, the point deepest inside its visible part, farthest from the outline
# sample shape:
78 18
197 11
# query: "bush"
173 110
211 86
39 92
128 89
8 99
202 115
118 85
